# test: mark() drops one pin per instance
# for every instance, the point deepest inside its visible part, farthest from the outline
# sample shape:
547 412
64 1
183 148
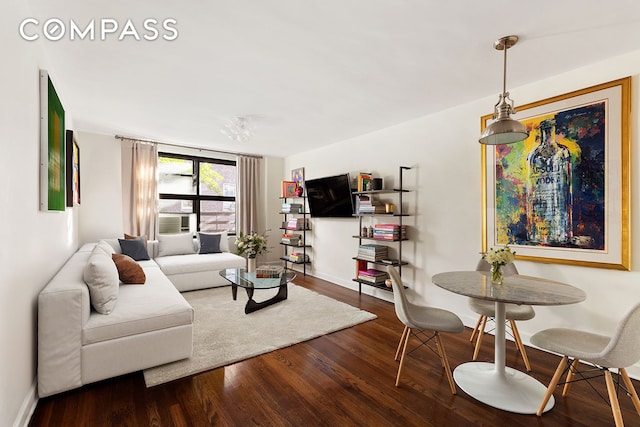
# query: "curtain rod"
187 146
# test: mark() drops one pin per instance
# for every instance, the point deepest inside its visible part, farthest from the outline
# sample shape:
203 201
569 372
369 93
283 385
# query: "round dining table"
496 384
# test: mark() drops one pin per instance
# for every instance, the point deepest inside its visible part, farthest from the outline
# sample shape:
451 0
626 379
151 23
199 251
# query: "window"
196 193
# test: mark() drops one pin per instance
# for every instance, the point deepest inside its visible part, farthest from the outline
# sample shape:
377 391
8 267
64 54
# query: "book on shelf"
269 271
371 252
364 181
296 224
373 276
298 257
291 239
292 208
366 205
389 231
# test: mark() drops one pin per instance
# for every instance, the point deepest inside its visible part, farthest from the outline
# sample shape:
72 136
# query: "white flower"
251 245
500 256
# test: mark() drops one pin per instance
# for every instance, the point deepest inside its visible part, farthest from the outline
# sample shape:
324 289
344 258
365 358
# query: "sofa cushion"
135 248
129 271
157 305
209 243
101 276
199 262
175 244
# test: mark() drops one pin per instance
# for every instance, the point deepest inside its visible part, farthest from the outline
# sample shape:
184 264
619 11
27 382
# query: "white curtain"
140 199
248 189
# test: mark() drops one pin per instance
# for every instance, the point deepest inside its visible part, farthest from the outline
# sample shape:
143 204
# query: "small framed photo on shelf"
288 189
297 176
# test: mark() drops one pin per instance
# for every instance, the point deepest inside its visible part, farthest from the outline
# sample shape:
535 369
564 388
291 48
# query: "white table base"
498 385
509 390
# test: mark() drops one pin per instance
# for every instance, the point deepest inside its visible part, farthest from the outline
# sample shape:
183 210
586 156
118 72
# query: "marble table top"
516 289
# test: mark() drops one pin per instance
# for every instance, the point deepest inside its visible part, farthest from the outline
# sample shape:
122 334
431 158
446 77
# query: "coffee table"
242 278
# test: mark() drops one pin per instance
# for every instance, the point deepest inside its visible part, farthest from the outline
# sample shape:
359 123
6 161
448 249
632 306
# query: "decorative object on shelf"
370 235
299 190
542 178
288 189
297 176
498 258
389 208
504 130
251 245
376 184
240 129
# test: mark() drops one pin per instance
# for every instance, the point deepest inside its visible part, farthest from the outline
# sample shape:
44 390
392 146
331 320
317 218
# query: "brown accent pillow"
129 271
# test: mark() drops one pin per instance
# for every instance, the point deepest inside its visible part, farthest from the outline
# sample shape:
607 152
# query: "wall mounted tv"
330 197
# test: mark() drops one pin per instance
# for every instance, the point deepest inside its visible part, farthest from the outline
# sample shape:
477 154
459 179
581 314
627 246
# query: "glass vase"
251 265
496 274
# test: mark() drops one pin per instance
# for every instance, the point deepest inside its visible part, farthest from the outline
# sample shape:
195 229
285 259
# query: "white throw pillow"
106 247
101 277
176 244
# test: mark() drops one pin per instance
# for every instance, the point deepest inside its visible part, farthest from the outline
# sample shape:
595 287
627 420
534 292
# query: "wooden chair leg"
404 352
552 385
613 399
404 332
519 345
631 389
475 328
480 334
567 382
445 362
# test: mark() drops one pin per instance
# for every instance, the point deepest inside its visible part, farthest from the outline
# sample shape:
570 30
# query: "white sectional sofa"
149 324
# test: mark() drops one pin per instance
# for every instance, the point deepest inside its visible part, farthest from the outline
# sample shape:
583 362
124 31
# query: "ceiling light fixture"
504 130
239 129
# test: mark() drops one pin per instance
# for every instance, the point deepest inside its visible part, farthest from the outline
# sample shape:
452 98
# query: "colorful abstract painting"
581 132
563 194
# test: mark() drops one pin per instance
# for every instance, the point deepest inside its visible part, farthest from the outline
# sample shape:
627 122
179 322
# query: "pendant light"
504 130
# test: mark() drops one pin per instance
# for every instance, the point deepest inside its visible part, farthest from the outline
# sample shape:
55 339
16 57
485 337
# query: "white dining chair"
618 351
418 321
487 311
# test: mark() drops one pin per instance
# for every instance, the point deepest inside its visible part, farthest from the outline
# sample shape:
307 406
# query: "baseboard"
28 406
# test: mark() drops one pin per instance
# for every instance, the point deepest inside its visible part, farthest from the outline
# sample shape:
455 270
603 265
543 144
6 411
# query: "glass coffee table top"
250 282
244 279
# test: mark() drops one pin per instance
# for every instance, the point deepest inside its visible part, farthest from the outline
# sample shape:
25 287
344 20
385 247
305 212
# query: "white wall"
36 244
101 187
446 232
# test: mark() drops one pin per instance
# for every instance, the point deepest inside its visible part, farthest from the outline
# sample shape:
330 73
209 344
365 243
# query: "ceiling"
310 73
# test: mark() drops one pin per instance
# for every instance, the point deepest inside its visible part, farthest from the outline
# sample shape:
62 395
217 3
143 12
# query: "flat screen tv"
330 197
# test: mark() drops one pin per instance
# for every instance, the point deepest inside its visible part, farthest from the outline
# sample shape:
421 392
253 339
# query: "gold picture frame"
571 207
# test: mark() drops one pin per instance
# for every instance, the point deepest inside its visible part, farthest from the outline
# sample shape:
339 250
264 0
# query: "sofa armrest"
63 309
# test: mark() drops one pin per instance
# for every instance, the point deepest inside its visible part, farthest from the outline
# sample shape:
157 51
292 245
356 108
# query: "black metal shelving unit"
399 215
303 231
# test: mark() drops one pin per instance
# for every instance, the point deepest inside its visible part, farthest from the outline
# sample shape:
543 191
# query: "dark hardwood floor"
342 379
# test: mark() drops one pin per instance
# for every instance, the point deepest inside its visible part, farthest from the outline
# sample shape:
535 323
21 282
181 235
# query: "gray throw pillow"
135 248
209 243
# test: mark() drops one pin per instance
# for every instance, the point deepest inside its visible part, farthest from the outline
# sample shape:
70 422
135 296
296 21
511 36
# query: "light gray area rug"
223 334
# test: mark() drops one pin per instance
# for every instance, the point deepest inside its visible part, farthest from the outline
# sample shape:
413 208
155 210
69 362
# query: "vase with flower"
251 245
498 258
